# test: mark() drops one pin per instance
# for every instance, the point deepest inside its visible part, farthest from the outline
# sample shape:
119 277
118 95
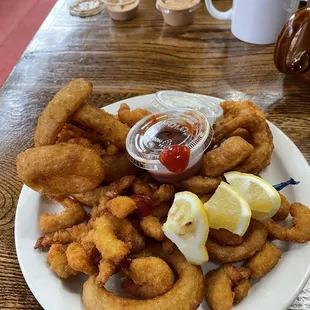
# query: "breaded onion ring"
227 156
253 241
186 293
60 169
59 109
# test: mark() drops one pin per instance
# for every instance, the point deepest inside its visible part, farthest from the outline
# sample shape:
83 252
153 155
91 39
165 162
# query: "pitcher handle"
289 30
216 13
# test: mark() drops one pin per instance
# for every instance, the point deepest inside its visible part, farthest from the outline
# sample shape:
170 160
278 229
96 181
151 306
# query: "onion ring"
186 293
253 241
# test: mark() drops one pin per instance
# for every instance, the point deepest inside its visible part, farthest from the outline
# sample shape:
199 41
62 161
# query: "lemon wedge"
263 199
228 209
187 226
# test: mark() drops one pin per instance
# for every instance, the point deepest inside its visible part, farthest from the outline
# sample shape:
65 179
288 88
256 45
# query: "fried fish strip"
300 230
131 117
73 214
63 236
59 109
103 123
117 166
219 286
60 169
58 262
149 277
199 185
264 260
224 237
283 211
185 294
253 241
78 259
228 155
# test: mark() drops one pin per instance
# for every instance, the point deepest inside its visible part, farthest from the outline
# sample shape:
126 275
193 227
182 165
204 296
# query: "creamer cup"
178 12
122 10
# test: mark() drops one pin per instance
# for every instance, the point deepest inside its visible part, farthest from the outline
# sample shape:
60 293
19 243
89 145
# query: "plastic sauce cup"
178 12
122 10
169 99
156 133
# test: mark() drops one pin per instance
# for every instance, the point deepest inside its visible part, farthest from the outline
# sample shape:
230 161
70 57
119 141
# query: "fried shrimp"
241 290
73 214
78 259
227 156
103 123
91 198
114 238
59 109
219 285
151 227
185 294
199 185
60 169
164 193
300 230
58 262
224 237
264 260
121 206
253 241
283 211
261 140
63 236
131 117
149 277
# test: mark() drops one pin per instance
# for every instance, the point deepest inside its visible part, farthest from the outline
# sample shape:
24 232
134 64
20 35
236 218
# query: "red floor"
19 21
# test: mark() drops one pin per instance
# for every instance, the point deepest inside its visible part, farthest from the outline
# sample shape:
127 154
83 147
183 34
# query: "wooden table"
123 60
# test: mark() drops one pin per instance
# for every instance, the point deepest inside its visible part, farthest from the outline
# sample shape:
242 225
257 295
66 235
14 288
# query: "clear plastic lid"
86 8
168 99
154 133
120 2
167 6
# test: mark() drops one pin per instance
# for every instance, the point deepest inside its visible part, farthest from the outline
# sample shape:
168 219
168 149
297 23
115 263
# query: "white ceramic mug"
256 21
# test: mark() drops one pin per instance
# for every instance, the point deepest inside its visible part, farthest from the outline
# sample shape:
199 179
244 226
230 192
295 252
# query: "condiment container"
169 99
178 12
122 10
170 144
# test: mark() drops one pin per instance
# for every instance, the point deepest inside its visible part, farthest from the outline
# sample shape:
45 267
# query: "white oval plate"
276 291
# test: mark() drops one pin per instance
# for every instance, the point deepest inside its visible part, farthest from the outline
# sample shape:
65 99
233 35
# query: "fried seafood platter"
113 236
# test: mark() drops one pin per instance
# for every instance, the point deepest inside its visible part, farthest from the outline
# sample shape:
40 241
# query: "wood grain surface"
125 59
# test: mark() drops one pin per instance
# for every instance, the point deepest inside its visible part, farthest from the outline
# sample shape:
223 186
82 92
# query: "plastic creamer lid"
154 133
169 99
